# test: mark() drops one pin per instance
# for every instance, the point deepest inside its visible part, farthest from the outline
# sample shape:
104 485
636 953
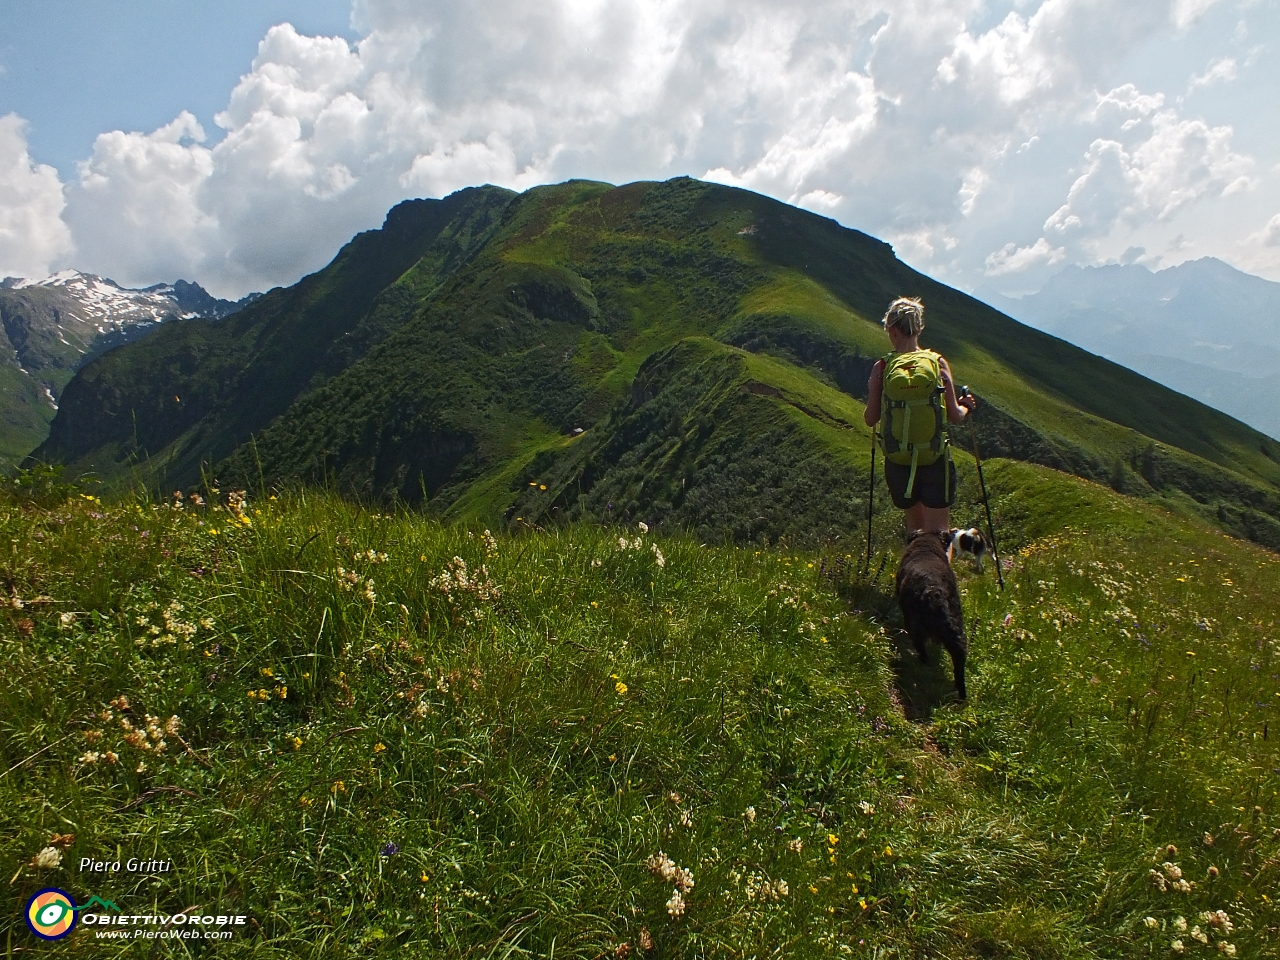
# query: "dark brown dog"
930 600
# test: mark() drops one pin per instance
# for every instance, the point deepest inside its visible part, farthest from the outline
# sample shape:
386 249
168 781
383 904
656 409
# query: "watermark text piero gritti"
132 865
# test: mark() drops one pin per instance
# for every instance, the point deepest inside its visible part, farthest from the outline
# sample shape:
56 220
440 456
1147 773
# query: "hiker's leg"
935 518
915 516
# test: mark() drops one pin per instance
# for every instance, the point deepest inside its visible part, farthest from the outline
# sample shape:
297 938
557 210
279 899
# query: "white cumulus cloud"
1012 258
1222 70
1179 162
32 235
1269 236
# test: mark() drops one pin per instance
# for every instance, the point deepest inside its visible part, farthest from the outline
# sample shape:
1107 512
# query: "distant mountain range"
686 353
52 327
1203 328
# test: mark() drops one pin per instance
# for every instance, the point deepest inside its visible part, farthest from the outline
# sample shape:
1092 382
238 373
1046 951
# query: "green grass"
744 710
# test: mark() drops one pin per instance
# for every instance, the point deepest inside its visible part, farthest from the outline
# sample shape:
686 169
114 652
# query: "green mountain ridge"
682 351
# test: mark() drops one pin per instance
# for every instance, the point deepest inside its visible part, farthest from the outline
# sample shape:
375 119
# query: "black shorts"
928 489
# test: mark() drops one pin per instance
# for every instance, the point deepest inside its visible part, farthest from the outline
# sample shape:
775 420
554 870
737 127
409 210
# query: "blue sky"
74 69
992 142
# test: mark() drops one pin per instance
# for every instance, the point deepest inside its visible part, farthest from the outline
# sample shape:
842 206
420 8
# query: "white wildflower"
663 866
675 906
644 527
767 891
457 578
50 858
1219 919
749 814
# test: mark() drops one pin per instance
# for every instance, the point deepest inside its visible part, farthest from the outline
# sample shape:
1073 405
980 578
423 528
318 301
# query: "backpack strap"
911 477
946 474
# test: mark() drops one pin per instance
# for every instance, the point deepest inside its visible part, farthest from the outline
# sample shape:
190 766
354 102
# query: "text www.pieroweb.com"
143 934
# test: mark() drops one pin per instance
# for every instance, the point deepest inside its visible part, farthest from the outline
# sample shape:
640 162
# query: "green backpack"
911 414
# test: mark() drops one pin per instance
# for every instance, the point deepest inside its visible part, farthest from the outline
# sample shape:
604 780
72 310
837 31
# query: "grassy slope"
527 752
717 441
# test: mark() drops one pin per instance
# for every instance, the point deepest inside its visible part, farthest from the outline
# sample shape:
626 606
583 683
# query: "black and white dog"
929 597
970 541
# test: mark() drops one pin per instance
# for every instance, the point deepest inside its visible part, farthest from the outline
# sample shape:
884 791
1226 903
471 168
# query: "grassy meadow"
378 735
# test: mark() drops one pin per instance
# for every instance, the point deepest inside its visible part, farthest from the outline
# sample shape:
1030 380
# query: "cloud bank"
985 144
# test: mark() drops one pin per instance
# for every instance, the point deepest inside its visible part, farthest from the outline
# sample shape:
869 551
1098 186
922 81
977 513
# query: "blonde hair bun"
907 314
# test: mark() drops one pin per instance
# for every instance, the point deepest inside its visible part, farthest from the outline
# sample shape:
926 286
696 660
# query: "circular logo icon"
51 914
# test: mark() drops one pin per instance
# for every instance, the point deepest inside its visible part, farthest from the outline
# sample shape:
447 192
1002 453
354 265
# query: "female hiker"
909 393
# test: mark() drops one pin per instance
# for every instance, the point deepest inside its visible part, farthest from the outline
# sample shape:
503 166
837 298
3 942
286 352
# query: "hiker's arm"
957 408
874 388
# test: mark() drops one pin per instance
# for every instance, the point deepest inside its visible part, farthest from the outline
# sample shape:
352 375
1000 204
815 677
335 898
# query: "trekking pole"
871 490
986 503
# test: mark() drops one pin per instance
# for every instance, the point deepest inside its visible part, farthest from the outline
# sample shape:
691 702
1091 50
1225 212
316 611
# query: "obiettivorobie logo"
52 914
